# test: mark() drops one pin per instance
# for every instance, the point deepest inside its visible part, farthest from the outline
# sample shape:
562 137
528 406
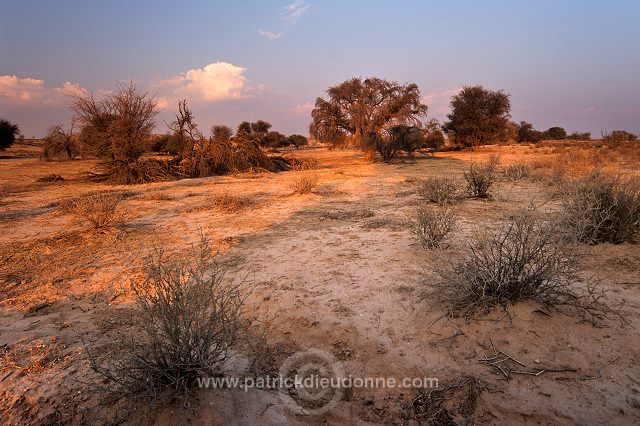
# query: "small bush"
305 183
233 203
189 316
50 178
526 258
100 209
432 225
516 172
481 177
599 209
299 163
442 190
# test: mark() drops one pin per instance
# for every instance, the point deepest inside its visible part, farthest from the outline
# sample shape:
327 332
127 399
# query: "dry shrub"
448 404
481 176
189 316
231 203
526 258
100 209
432 225
442 190
306 163
599 209
142 170
517 171
50 178
230 156
305 183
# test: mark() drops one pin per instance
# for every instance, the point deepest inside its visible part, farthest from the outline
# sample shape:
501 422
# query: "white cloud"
214 82
439 101
293 11
31 91
269 35
303 108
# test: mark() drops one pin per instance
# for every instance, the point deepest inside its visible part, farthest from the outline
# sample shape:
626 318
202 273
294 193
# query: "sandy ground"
337 270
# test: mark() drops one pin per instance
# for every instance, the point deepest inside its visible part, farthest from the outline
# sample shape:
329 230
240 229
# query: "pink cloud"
30 91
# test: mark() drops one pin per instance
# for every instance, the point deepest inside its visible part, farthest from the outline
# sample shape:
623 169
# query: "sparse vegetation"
231 203
189 316
305 183
432 225
526 258
516 172
99 209
442 190
599 209
481 176
620 136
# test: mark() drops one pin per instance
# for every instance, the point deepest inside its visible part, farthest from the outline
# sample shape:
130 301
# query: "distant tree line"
381 117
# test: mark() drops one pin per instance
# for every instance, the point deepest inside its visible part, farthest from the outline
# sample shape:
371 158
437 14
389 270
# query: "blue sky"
568 63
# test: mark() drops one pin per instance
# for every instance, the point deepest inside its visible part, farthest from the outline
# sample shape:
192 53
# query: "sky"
574 64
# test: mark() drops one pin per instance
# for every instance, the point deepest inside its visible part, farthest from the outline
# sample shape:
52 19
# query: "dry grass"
305 183
99 209
517 171
303 163
357 213
230 203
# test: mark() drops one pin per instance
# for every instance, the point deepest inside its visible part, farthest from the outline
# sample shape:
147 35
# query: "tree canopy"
478 116
363 112
8 133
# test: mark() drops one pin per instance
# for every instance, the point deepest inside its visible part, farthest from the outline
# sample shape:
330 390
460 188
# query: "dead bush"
142 170
442 190
525 258
432 225
53 177
305 183
231 203
189 316
448 403
300 163
599 209
516 172
232 156
100 209
481 176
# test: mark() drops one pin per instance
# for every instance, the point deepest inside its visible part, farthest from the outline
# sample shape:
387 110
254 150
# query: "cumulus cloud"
438 101
269 35
30 91
214 82
294 11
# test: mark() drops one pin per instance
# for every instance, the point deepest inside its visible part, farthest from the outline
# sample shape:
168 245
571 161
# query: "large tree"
478 116
363 112
8 133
